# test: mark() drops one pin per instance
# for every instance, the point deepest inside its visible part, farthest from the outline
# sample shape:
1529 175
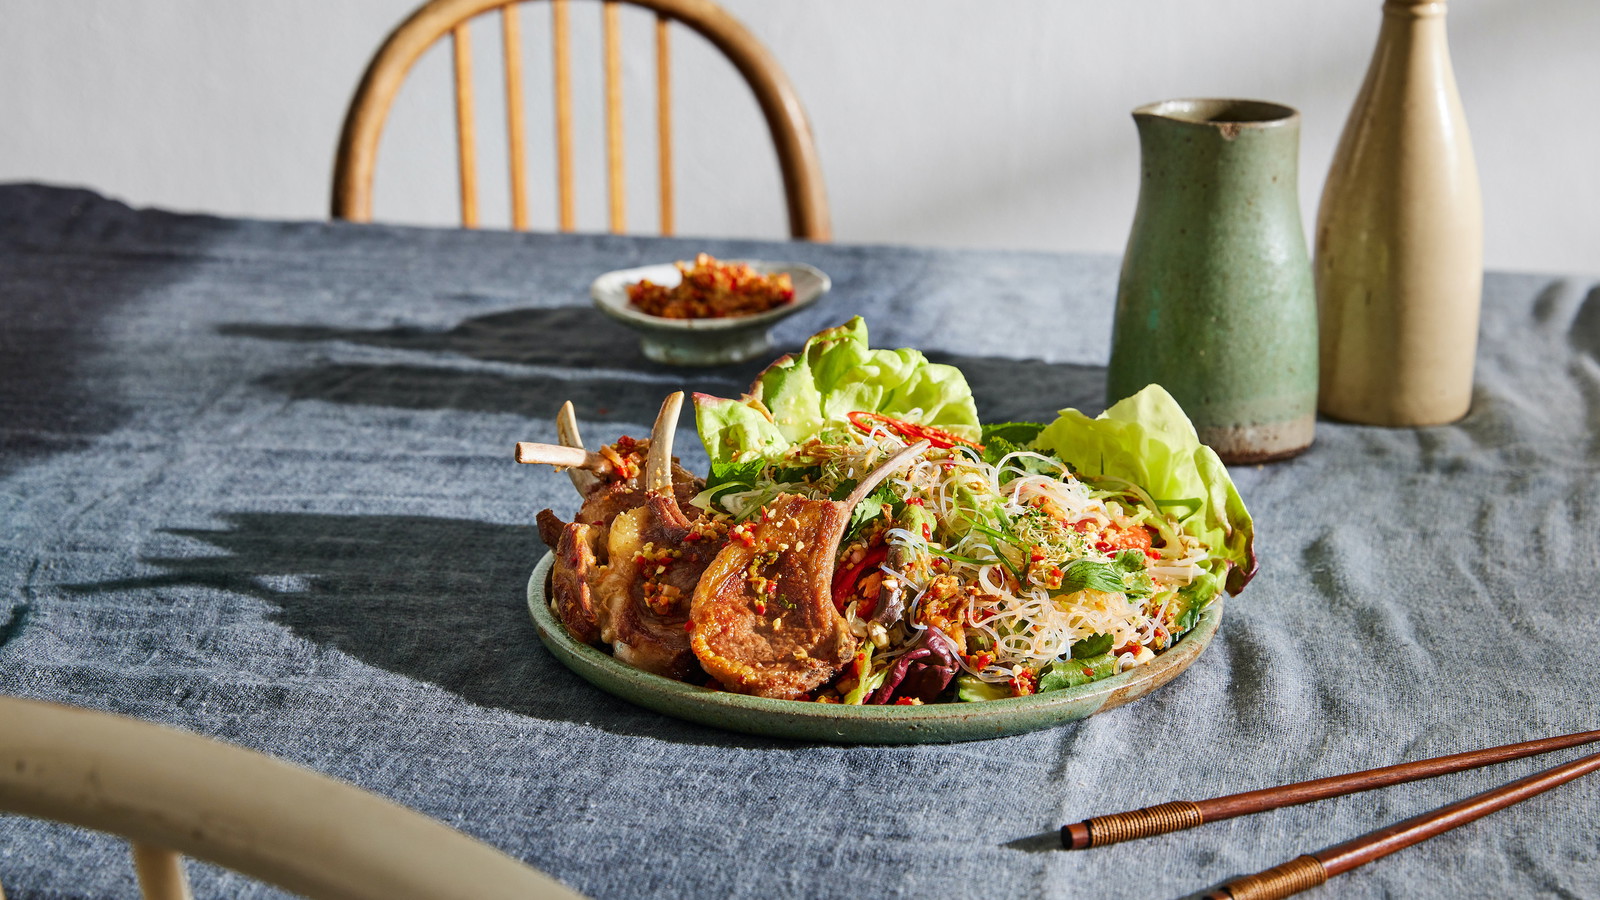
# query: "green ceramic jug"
1216 301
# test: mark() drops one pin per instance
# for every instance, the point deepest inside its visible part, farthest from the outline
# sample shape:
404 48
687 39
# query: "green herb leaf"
1074 672
1000 441
1093 645
730 471
872 507
1126 574
1193 599
1019 434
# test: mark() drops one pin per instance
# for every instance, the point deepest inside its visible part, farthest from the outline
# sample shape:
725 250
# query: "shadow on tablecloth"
435 600
597 365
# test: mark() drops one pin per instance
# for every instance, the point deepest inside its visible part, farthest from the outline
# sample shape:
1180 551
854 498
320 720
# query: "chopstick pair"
1310 870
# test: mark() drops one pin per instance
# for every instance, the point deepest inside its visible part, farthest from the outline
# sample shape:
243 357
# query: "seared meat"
573 578
642 630
658 553
610 498
670 588
611 484
550 527
763 620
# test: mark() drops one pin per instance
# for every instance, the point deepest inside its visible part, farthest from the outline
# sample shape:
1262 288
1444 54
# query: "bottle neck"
1414 9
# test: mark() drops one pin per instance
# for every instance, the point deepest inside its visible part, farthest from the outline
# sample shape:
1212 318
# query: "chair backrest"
358 144
171 792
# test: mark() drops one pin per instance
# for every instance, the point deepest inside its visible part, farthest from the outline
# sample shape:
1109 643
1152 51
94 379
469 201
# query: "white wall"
940 122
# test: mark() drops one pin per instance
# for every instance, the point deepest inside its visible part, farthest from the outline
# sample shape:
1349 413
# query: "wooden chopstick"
1310 870
1180 814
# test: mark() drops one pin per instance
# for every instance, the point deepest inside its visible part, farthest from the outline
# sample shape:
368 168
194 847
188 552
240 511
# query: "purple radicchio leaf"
923 672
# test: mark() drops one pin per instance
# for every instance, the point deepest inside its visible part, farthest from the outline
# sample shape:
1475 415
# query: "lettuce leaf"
805 394
1147 439
736 431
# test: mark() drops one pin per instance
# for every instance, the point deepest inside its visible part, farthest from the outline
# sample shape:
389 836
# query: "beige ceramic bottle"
1399 241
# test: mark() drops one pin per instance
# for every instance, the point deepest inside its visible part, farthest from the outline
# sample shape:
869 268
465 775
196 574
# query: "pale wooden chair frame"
358 144
170 792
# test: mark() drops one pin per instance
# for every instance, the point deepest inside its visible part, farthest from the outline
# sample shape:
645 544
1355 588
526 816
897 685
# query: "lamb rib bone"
567 433
658 482
536 453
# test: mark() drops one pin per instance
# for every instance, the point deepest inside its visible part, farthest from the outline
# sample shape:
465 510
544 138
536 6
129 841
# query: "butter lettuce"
1146 439
736 431
805 394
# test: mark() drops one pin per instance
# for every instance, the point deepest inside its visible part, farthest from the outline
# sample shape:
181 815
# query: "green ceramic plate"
934 723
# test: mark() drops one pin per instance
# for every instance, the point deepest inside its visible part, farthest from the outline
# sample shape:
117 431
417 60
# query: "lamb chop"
609 482
657 552
762 620
579 546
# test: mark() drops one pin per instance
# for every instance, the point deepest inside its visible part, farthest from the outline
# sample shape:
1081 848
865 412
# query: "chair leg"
160 873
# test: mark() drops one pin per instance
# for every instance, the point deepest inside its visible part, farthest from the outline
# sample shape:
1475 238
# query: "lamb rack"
763 620
610 484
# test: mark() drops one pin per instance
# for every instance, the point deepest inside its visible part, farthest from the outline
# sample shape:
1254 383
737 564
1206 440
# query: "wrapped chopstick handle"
1299 874
1126 826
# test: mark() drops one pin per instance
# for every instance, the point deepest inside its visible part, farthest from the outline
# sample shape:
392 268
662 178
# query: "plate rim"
929 723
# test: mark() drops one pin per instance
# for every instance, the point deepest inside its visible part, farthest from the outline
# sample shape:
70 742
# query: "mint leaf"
999 441
1193 600
1126 575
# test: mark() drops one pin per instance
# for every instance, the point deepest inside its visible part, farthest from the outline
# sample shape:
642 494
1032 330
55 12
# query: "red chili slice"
844 580
938 437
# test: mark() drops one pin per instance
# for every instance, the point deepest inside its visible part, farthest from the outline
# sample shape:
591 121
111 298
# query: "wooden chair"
358 145
168 791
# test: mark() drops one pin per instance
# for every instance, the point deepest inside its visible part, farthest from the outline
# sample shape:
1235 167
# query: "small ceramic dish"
934 723
704 342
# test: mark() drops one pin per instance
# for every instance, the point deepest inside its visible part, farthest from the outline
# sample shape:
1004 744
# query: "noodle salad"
1004 560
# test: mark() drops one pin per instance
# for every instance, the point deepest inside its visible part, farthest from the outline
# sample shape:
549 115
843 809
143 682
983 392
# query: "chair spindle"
562 56
612 34
664 122
466 141
160 872
511 31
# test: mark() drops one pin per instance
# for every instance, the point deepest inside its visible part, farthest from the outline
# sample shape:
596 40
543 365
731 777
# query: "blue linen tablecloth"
256 482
